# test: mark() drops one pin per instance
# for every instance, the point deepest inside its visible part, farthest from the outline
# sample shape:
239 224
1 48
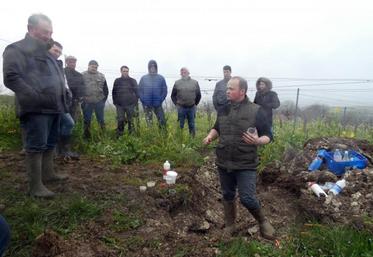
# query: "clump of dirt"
356 199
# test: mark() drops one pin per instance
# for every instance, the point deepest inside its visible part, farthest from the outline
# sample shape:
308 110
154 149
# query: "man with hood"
186 95
266 98
219 98
152 92
96 93
125 98
39 84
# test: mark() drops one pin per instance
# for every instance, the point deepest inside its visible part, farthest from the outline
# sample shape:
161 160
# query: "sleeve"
106 90
275 101
174 95
216 126
164 89
135 88
13 70
198 94
114 92
262 124
256 98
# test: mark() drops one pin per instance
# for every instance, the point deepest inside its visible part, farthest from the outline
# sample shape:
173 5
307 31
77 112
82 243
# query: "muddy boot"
87 131
266 229
23 137
67 153
230 213
48 172
33 167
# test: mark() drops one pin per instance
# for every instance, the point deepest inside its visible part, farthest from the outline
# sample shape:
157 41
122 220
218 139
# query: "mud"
188 217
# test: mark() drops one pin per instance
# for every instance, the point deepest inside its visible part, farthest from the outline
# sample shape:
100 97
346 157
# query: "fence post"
296 110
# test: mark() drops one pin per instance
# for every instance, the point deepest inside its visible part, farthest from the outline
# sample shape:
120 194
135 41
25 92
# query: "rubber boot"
33 167
120 128
48 172
87 131
66 146
230 213
23 137
266 229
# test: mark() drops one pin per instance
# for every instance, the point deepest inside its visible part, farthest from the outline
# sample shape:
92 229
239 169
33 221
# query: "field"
100 210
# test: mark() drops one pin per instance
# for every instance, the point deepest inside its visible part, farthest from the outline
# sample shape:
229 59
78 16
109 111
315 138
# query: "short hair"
227 67
242 83
70 57
58 44
35 18
124 67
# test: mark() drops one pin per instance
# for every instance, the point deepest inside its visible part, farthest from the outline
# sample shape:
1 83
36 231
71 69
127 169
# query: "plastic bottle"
338 187
337 156
315 164
166 167
317 189
346 158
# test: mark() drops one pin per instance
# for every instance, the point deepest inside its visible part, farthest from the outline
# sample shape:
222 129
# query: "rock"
253 230
353 204
356 196
212 216
200 226
369 196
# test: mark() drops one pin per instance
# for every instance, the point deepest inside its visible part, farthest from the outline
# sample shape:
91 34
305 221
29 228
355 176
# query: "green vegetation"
319 240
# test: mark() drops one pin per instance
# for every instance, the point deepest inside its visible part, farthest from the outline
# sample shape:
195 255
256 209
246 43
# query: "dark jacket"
125 92
219 98
34 76
186 92
75 82
266 98
152 88
233 120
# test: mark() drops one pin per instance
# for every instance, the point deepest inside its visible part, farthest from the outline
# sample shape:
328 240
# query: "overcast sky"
277 39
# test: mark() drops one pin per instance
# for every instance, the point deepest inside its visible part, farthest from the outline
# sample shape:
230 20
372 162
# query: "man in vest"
186 95
236 153
39 84
219 98
96 93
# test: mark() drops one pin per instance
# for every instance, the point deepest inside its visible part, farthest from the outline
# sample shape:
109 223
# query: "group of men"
48 105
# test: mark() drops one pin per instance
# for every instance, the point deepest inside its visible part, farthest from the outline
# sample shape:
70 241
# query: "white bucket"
171 177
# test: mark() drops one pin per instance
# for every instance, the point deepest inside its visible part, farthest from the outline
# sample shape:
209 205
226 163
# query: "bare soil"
188 218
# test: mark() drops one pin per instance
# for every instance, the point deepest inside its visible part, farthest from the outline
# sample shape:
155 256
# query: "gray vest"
94 87
232 152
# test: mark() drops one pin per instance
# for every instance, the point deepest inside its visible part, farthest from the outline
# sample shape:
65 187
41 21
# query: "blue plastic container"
357 161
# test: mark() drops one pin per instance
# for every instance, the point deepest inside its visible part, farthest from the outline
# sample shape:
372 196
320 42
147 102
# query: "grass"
319 240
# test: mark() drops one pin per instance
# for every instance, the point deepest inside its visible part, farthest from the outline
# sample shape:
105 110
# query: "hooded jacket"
152 87
35 77
266 98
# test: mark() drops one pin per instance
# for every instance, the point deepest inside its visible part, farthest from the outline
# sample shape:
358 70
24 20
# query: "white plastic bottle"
166 167
337 156
345 158
338 187
317 189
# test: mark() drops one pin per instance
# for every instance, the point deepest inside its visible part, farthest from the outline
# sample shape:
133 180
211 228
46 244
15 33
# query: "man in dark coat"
125 98
35 77
241 127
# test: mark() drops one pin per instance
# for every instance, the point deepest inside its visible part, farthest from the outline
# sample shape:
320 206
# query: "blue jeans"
158 112
66 125
4 235
244 181
189 113
42 131
98 108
